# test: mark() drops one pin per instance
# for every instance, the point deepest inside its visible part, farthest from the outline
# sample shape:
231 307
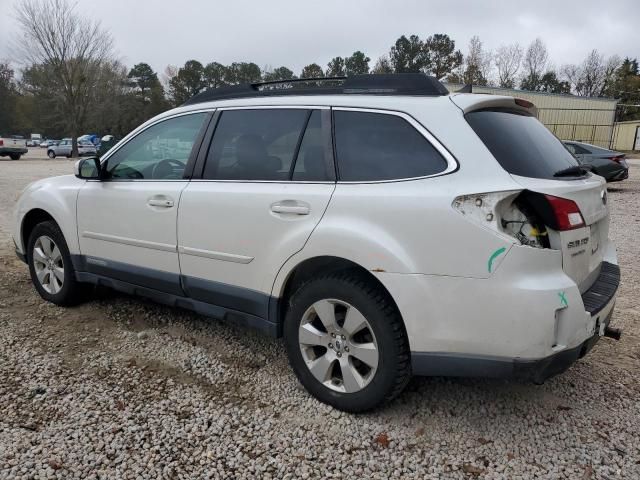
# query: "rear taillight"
567 213
617 158
1 142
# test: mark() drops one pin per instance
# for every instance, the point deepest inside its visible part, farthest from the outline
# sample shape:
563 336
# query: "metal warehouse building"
569 117
626 135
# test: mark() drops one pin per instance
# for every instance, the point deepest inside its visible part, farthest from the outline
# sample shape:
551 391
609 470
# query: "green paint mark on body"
563 299
493 256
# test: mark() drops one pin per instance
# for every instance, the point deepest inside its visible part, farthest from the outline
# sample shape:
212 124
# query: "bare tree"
534 64
507 60
613 64
592 77
383 65
75 48
170 71
477 63
593 73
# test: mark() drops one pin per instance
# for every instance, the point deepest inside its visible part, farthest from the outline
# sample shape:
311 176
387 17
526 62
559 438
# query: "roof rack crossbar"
416 84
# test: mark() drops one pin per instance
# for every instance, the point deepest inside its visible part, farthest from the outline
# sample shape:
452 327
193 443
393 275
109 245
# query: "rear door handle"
160 201
291 207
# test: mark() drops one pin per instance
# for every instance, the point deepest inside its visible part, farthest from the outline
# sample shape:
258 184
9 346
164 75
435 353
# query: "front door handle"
160 201
291 207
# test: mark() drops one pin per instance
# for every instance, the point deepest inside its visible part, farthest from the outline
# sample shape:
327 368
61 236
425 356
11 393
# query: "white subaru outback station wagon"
382 226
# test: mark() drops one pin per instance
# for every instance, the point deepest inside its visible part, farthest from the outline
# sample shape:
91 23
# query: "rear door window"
521 144
378 146
258 144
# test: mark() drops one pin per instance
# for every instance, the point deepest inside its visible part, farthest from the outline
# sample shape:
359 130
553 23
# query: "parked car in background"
34 140
46 143
63 149
106 143
609 164
13 146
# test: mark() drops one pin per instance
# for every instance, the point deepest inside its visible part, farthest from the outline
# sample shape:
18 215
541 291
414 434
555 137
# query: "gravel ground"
121 388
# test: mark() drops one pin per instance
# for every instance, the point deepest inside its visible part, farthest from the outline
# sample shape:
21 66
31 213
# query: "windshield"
521 144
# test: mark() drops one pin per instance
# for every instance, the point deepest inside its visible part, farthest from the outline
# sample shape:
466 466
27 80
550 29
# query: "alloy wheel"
338 345
48 264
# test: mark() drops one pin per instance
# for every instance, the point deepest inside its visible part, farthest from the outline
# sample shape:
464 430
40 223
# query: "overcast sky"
295 33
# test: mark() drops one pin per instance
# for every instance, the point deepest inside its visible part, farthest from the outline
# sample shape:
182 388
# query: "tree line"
74 84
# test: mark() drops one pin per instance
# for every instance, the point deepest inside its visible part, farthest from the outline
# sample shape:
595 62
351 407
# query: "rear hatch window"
521 144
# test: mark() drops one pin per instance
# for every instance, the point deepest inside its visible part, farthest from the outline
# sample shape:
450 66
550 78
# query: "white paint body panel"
229 234
431 259
116 222
56 196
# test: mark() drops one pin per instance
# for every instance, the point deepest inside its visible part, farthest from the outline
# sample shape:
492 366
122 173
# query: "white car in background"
12 146
63 149
385 228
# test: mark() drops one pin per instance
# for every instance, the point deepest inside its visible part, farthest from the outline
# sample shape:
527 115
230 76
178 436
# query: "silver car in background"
63 149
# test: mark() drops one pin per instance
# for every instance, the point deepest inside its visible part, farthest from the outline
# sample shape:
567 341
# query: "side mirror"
88 168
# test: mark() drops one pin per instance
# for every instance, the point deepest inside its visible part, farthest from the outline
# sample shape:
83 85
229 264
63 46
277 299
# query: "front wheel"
51 154
50 266
346 342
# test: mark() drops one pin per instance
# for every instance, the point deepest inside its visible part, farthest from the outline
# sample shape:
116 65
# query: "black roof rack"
369 84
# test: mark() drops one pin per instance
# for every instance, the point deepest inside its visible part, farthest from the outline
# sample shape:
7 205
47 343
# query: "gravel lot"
122 388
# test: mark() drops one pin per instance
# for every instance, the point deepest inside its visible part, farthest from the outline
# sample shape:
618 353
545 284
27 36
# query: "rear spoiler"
471 102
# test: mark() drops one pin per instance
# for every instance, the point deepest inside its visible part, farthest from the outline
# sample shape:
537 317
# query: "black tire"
51 154
15 156
71 292
394 360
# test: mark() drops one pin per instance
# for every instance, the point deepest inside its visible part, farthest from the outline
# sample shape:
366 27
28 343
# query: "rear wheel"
346 342
51 154
15 156
50 266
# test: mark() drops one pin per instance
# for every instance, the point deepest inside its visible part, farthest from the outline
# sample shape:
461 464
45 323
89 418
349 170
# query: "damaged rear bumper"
536 371
599 302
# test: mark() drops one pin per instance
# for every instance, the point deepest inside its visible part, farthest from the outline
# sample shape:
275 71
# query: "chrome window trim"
452 163
275 107
270 107
137 132
284 182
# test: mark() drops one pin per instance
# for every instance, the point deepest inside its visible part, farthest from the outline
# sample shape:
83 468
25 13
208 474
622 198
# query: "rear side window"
256 144
577 149
378 146
520 143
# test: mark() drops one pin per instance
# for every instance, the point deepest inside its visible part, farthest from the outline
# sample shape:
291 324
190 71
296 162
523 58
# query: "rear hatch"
559 196
14 141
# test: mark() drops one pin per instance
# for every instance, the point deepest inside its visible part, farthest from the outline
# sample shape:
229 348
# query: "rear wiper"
572 171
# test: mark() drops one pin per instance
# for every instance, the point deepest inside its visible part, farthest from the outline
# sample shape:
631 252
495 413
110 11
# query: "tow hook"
612 332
